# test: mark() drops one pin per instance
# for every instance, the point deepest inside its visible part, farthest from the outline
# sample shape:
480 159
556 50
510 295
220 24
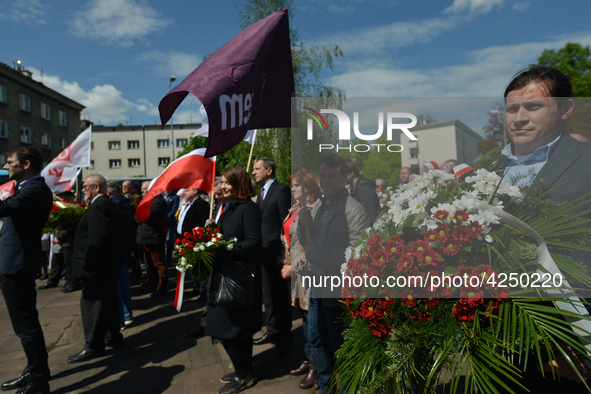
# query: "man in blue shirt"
538 102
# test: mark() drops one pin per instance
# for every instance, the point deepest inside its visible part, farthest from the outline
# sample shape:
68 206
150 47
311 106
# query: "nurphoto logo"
345 129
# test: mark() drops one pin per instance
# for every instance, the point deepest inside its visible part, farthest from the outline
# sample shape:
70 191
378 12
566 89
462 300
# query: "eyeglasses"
86 187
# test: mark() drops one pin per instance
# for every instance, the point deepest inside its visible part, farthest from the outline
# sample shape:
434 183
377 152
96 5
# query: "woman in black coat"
240 218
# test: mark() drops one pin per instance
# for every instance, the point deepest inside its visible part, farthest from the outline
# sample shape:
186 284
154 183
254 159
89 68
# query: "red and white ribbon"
180 288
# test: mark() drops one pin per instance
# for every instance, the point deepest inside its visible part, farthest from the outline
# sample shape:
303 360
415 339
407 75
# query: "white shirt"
179 227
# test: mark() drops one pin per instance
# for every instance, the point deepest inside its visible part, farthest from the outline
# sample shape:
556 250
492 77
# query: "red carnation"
441 215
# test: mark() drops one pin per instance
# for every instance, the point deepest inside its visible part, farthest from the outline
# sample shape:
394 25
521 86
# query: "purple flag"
246 84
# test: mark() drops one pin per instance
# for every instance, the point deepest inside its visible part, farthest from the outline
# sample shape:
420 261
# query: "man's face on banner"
534 119
331 179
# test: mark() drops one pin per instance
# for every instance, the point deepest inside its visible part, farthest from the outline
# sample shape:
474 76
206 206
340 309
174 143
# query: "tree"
307 66
574 61
494 129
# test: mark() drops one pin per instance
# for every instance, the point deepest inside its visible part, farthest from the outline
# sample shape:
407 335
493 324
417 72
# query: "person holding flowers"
240 218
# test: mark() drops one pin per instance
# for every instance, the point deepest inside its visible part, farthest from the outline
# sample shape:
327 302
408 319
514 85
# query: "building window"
3 129
25 102
133 162
414 169
163 143
46 140
114 145
181 141
64 143
133 144
163 161
26 135
414 153
116 163
92 164
3 95
63 118
45 111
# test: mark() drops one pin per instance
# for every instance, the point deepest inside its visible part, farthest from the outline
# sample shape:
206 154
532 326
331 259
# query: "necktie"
260 198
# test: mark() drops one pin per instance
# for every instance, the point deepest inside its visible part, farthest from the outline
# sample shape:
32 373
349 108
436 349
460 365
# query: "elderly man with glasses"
97 261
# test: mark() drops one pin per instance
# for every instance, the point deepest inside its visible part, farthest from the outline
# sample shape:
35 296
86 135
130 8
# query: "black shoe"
283 348
266 338
228 378
18 382
236 385
47 285
84 355
199 332
158 293
35 386
70 289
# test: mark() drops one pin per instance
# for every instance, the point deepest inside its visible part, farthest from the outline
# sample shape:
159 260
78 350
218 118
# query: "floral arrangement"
64 216
451 236
385 196
195 248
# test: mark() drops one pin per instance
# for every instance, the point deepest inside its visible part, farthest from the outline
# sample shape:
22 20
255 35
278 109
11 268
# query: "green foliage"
494 129
63 219
377 164
574 61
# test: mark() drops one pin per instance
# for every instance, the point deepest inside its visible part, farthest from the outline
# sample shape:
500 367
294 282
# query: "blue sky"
116 56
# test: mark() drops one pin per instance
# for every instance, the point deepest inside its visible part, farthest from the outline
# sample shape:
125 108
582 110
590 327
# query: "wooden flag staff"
254 137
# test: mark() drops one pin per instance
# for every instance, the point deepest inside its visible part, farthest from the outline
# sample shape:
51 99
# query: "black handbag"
233 285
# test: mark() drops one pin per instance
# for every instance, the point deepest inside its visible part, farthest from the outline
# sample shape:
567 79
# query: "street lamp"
496 111
172 79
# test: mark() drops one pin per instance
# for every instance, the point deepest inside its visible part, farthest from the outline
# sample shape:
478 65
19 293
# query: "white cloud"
173 63
485 73
521 6
27 11
399 34
473 6
103 103
118 22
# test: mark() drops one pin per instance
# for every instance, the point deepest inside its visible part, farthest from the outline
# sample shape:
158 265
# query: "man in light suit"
538 102
24 215
274 199
97 260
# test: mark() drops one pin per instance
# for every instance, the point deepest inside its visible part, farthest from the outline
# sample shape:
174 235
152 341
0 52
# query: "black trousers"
21 299
276 298
68 252
100 312
240 353
57 267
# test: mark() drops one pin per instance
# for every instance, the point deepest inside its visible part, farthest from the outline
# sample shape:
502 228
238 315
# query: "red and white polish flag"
7 190
191 171
62 170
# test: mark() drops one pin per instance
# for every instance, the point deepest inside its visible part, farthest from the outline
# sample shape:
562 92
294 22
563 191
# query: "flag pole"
211 194
254 137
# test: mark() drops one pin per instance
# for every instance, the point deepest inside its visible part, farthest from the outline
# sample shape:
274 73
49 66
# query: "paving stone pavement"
156 358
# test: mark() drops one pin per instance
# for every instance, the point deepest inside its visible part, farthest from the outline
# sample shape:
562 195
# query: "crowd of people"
282 233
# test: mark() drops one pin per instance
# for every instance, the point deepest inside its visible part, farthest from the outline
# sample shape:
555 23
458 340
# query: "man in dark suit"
193 214
24 215
538 102
274 199
152 235
97 260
